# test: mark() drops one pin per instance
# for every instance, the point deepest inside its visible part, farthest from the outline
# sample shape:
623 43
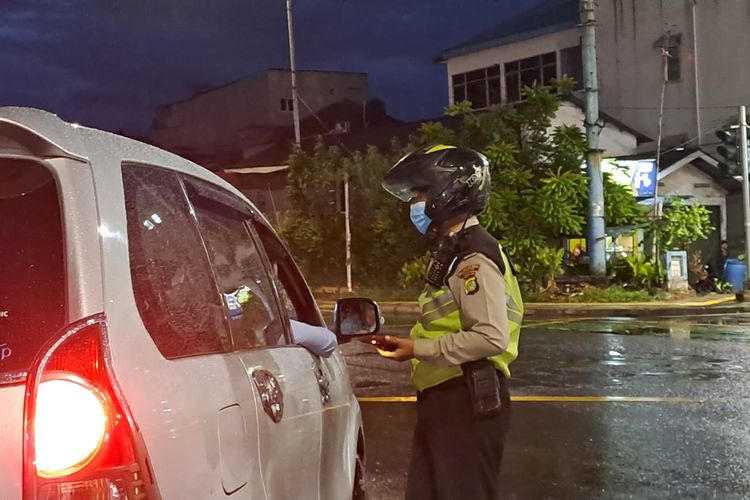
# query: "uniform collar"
470 222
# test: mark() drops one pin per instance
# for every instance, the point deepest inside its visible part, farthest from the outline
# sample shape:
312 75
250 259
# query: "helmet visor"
402 191
406 180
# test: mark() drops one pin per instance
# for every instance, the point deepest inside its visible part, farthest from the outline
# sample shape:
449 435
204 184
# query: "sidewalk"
546 310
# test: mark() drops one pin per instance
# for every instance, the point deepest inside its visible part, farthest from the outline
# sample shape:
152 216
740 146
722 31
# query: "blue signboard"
640 175
643 178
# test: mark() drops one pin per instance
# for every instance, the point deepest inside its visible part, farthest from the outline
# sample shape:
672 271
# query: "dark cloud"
108 63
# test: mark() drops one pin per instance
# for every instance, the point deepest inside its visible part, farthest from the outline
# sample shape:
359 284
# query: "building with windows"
216 125
693 48
703 41
537 47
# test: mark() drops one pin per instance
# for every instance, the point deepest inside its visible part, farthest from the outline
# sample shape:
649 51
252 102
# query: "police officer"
467 334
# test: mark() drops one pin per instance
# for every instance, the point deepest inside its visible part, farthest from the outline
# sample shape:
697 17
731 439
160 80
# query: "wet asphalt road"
603 408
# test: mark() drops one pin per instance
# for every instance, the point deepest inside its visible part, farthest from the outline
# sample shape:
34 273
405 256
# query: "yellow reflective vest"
440 316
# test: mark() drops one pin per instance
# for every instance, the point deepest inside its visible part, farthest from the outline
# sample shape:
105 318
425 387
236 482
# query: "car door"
184 395
281 376
333 378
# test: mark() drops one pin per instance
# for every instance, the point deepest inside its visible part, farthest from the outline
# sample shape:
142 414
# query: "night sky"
108 63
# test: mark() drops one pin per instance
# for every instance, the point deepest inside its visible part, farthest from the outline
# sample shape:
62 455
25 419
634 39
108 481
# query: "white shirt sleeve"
317 339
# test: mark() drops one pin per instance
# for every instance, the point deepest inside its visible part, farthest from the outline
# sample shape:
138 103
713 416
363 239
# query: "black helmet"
455 179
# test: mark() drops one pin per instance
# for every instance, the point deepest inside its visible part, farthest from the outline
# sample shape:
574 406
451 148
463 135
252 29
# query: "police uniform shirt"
478 288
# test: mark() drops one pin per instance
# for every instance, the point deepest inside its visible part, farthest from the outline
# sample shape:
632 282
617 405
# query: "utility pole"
664 78
292 67
348 234
595 240
745 185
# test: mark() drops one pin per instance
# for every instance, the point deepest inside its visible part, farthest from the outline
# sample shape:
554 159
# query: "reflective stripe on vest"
440 316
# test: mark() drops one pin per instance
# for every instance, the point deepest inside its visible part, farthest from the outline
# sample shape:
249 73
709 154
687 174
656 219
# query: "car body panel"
187 410
179 414
83 272
289 448
11 440
340 432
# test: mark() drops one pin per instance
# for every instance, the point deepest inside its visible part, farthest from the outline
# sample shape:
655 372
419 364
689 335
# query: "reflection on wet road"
603 408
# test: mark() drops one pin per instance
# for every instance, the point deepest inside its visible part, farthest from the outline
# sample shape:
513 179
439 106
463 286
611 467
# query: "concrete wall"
219 118
318 89
214 118
630 66
614 141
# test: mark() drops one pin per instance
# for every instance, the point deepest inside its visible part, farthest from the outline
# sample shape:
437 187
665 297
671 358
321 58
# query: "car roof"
70 140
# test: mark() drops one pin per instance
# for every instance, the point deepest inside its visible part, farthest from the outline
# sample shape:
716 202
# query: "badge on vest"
471 286
469 275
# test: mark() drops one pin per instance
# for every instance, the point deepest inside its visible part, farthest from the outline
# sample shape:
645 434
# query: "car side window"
239 267
172 280
293 291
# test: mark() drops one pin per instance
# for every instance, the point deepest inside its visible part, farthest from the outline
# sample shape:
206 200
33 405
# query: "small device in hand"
380 342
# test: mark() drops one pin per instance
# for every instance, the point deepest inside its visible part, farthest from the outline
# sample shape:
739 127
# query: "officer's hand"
404 349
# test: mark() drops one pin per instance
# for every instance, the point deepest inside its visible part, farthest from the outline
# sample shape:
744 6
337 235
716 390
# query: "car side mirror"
356 316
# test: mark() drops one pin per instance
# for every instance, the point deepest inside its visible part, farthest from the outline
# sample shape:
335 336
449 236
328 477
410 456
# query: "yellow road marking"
603 399
549 399
388 399
713 302
535 323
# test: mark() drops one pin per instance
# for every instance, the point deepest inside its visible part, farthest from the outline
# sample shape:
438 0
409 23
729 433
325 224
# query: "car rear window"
32 267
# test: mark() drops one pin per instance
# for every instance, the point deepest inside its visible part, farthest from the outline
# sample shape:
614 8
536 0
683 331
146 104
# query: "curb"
544 310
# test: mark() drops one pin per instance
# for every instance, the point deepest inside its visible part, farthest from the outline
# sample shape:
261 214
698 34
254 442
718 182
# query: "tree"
684 224
539 194
382 238
539 188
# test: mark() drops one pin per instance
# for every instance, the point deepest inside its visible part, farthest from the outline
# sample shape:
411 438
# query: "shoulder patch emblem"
471 285
469 271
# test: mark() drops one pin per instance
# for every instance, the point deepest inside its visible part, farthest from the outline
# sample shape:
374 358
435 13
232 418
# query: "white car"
145 343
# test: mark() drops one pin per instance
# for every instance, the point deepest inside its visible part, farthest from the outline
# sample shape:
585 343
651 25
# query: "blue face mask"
420 219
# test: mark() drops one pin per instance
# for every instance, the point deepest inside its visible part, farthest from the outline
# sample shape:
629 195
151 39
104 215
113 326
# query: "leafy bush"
382 237
645 273
539 193
537 263
617 293
413 272
684 223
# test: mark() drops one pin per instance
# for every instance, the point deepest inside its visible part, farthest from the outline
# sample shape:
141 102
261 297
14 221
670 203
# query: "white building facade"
707 43
707 67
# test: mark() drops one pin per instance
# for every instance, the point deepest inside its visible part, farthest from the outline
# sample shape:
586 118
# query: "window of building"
286 104
481 87
673 63
536 70
571 64
172 280
671 42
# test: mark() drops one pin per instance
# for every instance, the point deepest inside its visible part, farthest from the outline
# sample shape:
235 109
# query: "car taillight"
69 426
80 440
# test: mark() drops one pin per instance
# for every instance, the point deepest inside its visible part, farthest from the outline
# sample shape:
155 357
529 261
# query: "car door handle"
324 385
271 395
